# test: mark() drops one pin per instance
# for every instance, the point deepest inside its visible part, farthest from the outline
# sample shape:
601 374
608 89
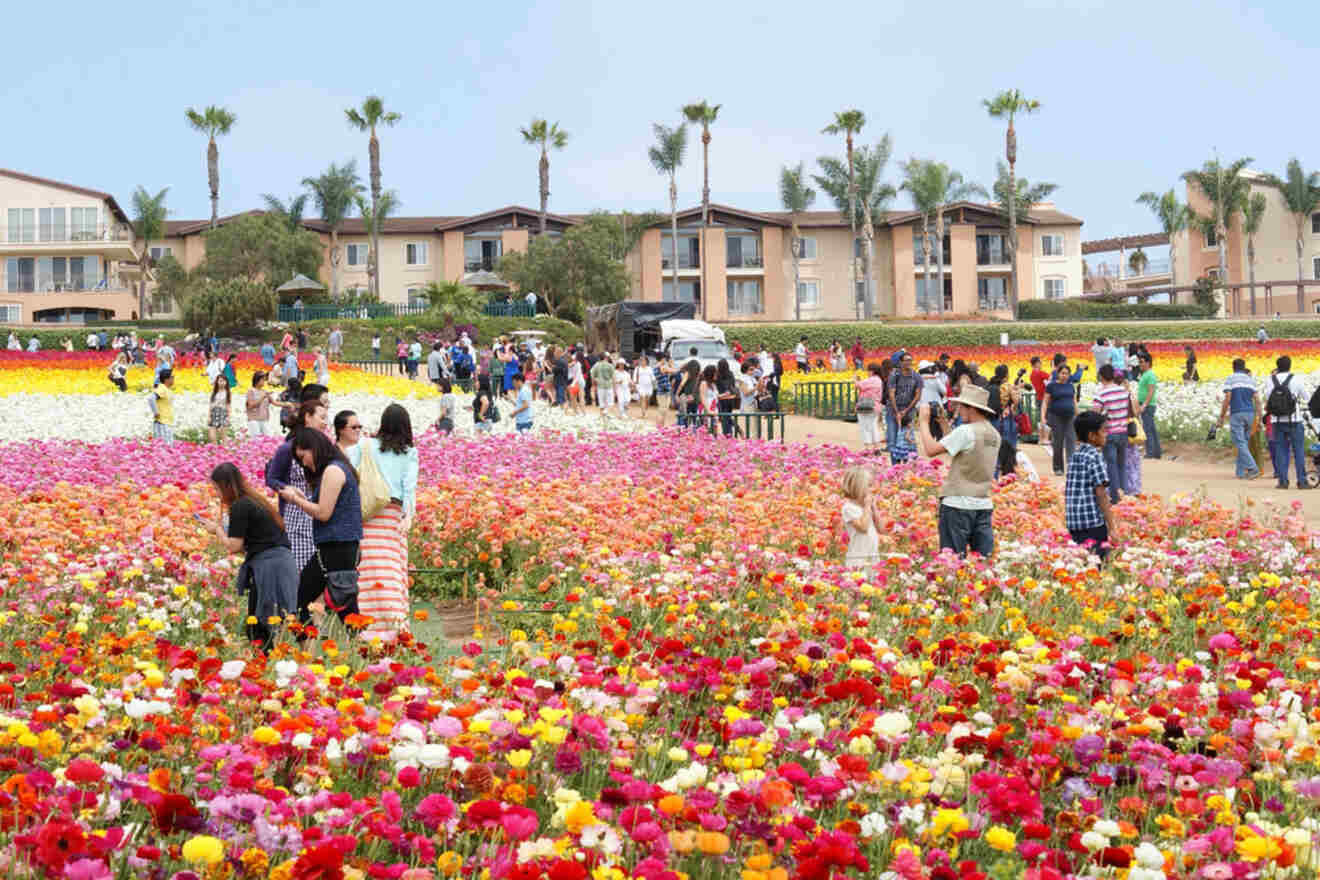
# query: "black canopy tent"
632 328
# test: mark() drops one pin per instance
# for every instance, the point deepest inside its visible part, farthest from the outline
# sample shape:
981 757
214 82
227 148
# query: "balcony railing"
745 261
482 265
685 261
40 234
27 284
1110 270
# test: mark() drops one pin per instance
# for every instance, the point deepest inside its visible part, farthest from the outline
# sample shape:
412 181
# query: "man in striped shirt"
1112 401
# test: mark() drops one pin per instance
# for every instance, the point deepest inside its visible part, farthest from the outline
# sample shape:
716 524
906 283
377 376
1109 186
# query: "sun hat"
976 397
924 365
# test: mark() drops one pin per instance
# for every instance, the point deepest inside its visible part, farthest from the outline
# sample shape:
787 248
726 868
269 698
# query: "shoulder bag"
372 488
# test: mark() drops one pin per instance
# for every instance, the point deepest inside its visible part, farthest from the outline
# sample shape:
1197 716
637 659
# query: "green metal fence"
750 425
826 400
336 311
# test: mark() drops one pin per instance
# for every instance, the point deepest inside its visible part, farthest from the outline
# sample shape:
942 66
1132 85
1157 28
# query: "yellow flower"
519 758
267 736
449 863
204 850
948 821
579 816
1000 838
254 860
1254 848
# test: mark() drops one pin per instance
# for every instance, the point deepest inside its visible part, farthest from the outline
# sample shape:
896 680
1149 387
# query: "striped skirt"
383 575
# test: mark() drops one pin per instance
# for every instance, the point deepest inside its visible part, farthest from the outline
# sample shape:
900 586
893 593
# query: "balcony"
685 261
745 261
27 284
483 265
114 242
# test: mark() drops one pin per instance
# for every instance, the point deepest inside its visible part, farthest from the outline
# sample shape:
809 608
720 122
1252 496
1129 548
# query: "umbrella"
299 283
483 280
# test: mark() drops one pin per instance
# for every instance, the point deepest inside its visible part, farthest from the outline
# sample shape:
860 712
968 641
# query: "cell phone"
199 517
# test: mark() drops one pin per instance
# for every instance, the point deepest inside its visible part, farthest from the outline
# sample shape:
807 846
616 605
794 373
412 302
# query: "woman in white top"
859 517
383 568
644 380
708 393
575 385
321 367
622 387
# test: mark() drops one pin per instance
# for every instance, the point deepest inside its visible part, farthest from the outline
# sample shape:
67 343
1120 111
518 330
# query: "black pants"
120 383
1097 537
337 556
260 631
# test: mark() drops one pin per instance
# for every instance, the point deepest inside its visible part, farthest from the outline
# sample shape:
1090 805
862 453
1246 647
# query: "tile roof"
94 193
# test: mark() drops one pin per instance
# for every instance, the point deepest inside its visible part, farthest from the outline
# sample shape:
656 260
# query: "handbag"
372 488
341 588
1023 424
1132 428
865 405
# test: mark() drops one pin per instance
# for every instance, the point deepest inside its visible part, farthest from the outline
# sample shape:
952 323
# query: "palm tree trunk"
868 257
545 185
797 275
673 232
1301 299
1221 232
373 153
1173 270
925 250
852 224
1012 240
939 260
705 212
334 263
213 179
1251 272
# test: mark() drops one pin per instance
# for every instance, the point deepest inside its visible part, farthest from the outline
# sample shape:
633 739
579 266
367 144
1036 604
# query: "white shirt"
767 362
214 368
530 299
863 547
800 352
1294 385
961 439
934 389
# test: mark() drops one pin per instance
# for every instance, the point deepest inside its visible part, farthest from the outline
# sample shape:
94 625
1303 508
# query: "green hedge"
358 333
1068 309
782 337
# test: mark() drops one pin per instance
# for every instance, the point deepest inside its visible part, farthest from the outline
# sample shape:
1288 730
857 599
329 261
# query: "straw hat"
976 397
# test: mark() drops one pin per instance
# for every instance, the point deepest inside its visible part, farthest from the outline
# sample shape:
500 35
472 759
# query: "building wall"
714 289
830 269
652 289
962 246
1068 267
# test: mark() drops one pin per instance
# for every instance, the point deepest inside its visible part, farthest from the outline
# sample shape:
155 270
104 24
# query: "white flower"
874 825
1093 841
302 740
892 725
433 756
232 669
1148 855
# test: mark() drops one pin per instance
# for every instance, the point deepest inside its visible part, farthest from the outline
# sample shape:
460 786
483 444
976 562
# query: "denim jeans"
561 392
1063 439
1152 433
1290 441
962 530
1116 463
1239 424
891 428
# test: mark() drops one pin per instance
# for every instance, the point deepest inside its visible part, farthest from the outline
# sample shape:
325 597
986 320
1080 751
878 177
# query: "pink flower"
1223 641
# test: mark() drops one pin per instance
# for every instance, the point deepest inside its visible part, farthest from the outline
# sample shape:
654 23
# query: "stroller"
1313 446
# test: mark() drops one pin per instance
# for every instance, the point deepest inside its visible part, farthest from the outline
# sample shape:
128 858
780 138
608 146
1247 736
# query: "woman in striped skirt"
383 571
284 470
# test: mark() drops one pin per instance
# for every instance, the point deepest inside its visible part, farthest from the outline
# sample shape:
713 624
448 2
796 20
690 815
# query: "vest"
972 473
345 522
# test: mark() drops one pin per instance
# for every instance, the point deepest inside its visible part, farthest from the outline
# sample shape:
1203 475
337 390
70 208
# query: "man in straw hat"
965 506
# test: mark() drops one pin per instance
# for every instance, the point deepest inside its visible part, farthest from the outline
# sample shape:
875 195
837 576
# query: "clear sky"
1132 93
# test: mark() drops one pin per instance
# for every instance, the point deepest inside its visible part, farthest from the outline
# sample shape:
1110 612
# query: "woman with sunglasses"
348 432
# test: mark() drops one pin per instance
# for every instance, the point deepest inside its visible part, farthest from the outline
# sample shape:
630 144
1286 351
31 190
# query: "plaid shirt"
1086 470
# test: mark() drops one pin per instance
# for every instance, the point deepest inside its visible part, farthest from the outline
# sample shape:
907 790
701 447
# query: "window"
688 291
744 251
20 274
481 254
991 249
809 294
1211 239
161 304
356 254
689 252
1055 288
67 273
991 294
82 224
416 299
1051 245
806 248
415 253
10 313
1315 223
161 251
1315 267
22 225
51 221
1212 274
917 255
926 297
745 297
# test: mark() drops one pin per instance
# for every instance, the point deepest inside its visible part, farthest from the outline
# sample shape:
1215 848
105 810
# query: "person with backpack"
1283 404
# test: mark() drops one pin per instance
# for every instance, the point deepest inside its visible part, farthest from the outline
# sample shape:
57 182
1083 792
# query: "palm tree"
919 179
949 187
796 197
1138 261
703 114
290 212
1227 191
1301 193
149 214
1253 212
868 194
373 215
667 156
371 114
212 121
546 136
1017 205
849 123
1173 216
335 191
1007 105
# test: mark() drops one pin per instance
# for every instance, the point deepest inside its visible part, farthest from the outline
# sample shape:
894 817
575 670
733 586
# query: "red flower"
324 862
82 770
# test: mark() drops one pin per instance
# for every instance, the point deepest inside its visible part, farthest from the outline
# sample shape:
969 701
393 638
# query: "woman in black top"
728 396
688 403
269 574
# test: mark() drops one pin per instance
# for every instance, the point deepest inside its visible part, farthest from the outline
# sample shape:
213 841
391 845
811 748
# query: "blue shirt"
290 367
524 418
1063 398
268 354
399 470
1241 391
1118 358
1086 470
345 522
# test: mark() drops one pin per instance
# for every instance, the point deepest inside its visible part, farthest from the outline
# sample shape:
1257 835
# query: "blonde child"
859 517
622 387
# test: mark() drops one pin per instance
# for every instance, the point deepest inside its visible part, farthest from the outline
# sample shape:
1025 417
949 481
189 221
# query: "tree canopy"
569 273
260 247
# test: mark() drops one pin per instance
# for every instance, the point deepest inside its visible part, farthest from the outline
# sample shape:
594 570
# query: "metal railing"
746 261
51 234
482 265
1110 270
330 311
516 309
826 400
747 425
24 284
685 261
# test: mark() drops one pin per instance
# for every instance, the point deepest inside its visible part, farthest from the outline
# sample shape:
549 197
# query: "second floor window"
82 224
1211 239
481 254
1315 223
356 254
805 247
415 253
159 251
1051 245
991 249
51 221
744 251
918 257
689 252
22 225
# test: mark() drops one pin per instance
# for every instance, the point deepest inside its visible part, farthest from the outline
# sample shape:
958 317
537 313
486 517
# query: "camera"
1213 431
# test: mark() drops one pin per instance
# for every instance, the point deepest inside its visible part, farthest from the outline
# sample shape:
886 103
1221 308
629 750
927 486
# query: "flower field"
675 677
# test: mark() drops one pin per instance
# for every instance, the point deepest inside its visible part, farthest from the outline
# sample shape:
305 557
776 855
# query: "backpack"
1314 404
1281 402
494 412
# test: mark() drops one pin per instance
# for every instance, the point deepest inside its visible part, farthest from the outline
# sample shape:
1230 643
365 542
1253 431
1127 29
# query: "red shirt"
857 352
1038 378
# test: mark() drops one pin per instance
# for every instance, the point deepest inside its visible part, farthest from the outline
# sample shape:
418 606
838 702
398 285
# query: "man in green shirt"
602 379
1146 390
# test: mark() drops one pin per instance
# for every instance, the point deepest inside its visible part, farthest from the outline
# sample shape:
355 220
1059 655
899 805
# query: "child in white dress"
622 388
859 517
644 380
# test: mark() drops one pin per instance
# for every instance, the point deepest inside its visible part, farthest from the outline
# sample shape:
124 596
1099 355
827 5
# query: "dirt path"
1196 469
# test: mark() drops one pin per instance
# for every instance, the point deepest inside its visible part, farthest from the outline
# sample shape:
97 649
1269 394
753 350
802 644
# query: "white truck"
680 338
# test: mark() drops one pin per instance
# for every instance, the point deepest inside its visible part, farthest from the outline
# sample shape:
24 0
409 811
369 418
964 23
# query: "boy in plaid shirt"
1087 513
